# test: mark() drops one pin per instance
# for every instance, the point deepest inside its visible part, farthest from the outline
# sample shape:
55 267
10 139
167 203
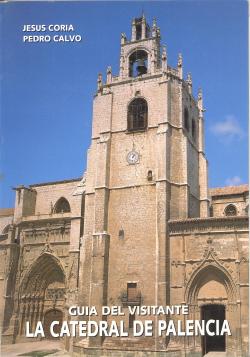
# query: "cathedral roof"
228 190
56 182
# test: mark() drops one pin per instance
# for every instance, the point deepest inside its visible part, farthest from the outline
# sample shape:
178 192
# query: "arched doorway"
213 343
212 289
42 293
49 317
211 295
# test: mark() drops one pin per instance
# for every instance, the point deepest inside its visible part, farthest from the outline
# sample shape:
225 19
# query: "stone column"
143 28
133 34
162 244
99 278
203 175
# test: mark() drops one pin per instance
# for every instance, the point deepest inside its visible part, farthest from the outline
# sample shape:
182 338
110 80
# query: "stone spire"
200 103
154 28
109 75
123 38
133 34
99 82
179 66
143 27
189 83
121 62
164 58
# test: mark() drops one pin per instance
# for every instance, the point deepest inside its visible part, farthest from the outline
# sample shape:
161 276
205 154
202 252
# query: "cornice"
46 220
206 224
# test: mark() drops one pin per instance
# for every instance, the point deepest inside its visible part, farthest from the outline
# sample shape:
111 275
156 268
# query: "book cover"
116 236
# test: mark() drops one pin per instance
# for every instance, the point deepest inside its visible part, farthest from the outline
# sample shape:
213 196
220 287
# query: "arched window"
230 210
137 114
62 206
193 129
138 63
186 119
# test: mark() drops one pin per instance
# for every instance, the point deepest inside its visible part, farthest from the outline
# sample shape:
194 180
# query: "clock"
132 157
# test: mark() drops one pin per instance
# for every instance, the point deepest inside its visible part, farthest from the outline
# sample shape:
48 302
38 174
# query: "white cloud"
228 128
233 181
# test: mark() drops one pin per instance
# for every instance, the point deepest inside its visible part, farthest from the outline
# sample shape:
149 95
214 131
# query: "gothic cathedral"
139 228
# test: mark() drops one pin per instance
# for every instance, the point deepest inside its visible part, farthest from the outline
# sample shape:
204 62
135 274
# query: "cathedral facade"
140 227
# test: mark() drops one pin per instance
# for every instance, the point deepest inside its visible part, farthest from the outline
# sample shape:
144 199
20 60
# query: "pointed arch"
42 288
62 206
207 272
43 272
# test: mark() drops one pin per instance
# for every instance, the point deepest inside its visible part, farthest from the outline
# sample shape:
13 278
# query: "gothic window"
138 62
193 129
186 119
230 210
62 206
137 114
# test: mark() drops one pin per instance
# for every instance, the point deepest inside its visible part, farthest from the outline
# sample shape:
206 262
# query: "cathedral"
140 228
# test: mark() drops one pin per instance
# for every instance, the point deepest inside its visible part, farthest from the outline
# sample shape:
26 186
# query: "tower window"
230 210
138 63
186 119
137 114
138 32
62 206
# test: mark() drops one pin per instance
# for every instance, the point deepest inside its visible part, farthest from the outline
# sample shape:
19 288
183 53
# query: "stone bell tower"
146 165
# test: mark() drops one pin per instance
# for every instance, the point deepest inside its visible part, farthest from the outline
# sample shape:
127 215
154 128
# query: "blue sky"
47 88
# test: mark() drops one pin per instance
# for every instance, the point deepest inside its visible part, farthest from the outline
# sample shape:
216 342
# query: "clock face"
132 157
